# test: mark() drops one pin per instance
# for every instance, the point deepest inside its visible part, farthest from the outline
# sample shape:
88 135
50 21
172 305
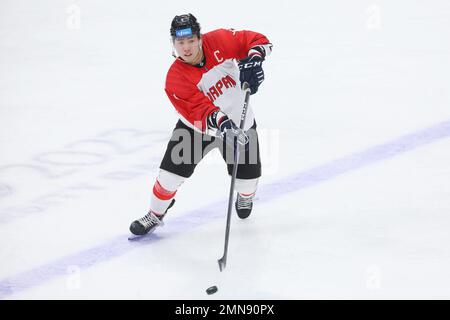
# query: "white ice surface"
344 76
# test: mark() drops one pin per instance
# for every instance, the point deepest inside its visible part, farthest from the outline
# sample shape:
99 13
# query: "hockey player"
204 86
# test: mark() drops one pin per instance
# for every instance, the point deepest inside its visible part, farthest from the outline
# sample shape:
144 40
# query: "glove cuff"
216 118
256 52
262 49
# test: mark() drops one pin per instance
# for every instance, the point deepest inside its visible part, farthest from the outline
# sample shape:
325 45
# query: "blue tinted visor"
181 33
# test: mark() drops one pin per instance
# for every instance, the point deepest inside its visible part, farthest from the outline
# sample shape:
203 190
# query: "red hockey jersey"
197 91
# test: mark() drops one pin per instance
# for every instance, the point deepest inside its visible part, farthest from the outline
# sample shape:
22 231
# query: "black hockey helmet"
185 25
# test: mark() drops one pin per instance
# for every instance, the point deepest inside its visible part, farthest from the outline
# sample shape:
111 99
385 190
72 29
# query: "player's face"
189 49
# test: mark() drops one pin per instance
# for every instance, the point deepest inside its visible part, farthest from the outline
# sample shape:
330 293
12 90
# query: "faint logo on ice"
52 178
73 278
373 281
73 21
373 21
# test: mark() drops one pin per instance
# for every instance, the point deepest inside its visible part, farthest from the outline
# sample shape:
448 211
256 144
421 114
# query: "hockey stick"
223 261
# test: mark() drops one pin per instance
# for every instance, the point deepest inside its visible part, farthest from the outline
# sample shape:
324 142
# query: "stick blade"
222 264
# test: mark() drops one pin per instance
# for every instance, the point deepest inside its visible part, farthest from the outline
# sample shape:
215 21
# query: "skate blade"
134 237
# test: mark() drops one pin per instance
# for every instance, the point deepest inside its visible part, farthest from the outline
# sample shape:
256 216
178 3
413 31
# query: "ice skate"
148 223
244 205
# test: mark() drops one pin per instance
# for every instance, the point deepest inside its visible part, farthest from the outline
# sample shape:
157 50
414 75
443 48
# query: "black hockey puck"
211 290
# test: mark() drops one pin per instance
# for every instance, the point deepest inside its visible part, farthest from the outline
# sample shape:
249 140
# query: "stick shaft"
223 261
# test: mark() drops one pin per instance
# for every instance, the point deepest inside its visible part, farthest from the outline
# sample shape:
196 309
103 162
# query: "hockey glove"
252 72
228 131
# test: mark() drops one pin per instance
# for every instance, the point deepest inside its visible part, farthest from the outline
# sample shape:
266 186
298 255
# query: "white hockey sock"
246 187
